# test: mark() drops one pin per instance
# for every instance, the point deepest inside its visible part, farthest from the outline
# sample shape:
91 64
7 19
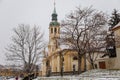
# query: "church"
59 62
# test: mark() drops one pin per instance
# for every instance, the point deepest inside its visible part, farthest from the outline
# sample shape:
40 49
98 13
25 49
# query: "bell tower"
54 32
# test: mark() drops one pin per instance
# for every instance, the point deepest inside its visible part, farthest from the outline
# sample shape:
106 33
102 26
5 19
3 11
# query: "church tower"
54 32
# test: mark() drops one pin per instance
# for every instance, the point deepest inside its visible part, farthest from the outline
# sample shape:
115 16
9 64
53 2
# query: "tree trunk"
93 67
79 64
92 63
85 66
61 64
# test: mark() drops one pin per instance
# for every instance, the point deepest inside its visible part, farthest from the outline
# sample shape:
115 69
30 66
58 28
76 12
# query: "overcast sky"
38 12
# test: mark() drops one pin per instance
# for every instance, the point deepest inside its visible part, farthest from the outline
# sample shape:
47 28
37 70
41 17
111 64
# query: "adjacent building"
115 62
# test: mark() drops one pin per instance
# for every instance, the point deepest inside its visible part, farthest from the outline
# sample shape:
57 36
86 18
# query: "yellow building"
58 60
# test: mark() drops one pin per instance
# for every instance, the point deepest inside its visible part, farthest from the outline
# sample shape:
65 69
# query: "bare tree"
75 30
96 36
96 46
27 44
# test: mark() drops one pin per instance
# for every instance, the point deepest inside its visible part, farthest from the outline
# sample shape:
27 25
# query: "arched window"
55 30
51 30
63 59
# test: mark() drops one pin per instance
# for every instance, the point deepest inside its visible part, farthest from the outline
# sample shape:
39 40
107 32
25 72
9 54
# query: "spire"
54 17
54 7
54 14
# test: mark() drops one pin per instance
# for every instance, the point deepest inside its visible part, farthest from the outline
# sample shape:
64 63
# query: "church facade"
58 60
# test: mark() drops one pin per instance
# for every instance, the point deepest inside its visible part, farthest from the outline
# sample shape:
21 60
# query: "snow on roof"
117 26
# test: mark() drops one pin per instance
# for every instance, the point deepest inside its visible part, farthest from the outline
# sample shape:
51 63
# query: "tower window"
55 30
58 30
63 59
51 30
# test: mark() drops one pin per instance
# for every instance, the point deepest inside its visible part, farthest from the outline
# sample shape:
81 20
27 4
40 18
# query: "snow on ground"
101 73
89 75
14 79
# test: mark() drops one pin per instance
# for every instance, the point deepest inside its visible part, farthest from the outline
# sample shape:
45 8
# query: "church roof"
54 23
54 15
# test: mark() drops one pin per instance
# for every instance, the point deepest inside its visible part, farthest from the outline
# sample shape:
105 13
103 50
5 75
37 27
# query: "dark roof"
54 23
117 26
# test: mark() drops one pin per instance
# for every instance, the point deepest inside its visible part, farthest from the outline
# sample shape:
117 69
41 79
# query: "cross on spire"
54 3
